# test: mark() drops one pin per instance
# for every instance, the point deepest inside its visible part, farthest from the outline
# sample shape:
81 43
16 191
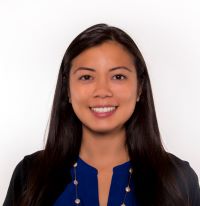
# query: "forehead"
109 54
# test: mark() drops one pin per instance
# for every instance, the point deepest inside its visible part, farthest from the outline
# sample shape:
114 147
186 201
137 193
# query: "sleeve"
19 177
190 187
16 186
193 185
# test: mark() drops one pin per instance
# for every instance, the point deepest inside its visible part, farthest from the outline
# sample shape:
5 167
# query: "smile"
103 109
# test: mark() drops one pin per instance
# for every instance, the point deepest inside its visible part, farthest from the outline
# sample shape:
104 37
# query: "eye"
85 77
120 77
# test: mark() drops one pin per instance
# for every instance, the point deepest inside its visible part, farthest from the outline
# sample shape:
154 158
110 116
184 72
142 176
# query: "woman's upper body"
61 195
103 112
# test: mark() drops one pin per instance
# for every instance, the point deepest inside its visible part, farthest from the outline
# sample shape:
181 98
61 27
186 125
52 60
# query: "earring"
138 99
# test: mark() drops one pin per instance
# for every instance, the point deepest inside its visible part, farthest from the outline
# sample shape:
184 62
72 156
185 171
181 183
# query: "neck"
103 150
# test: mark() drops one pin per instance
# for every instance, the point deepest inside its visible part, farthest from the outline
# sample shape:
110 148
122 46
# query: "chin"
104 129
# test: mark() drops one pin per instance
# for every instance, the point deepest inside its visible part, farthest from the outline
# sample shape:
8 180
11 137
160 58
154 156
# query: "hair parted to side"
153 176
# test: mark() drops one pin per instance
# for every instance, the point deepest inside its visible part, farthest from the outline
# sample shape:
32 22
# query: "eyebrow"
93 70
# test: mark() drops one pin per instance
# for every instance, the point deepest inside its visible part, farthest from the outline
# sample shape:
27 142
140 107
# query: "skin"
103 140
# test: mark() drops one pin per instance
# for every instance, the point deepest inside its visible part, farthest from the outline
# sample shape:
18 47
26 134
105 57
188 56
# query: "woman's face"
103 87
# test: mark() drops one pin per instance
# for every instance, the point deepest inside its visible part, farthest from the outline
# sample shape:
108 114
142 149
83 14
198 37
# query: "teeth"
103 109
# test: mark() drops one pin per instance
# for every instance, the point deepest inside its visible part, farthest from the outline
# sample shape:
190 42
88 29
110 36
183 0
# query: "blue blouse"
88 186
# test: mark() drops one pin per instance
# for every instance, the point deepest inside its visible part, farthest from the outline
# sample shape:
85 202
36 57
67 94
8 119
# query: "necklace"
78 201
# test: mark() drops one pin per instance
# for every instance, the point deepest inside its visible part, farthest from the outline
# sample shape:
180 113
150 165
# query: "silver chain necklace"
78 201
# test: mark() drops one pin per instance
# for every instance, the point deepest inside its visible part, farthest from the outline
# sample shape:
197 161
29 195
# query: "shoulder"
191 182
26 163
24 166
178 162
183 165
30 159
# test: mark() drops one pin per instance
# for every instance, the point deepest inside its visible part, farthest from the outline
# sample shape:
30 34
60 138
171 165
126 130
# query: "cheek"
126 94
79 94
128 103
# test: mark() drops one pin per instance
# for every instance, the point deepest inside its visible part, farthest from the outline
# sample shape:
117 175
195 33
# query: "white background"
34 36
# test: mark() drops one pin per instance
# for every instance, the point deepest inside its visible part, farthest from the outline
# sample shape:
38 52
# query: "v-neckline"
119 171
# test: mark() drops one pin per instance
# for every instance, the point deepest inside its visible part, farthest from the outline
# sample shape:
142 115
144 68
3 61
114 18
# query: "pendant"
77 201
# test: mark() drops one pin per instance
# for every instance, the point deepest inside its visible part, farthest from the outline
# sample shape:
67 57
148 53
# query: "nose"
102 89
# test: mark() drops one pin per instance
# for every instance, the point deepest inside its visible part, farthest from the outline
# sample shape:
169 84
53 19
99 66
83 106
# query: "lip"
103 114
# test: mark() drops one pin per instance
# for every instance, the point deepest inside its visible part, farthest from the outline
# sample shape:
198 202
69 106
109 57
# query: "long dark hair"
154 172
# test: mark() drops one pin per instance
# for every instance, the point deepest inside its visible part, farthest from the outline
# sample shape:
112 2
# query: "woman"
103 145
